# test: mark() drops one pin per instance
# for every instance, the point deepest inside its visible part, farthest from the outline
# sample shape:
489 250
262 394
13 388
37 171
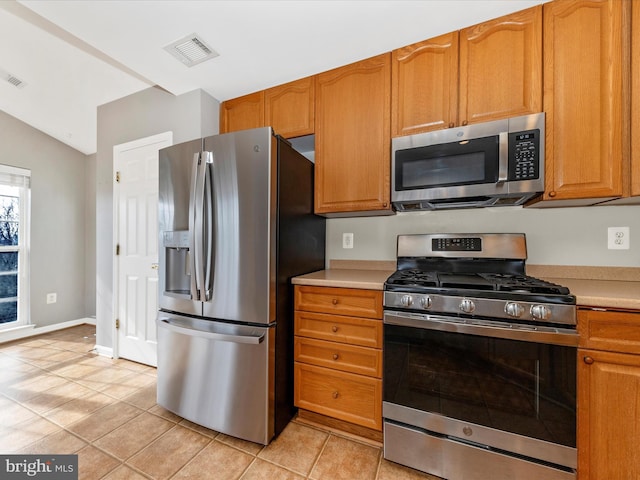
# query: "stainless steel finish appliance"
497 163
236 223
479 362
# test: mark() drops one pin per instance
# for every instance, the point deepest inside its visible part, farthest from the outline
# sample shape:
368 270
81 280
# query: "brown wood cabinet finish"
585 98
352 158
341 301
424 86
338 354
365 332
290 108
501 67
349 397
635 100
242 113
486 72
608 395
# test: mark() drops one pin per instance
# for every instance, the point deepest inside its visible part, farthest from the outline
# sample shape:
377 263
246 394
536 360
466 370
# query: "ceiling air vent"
12 79
191 50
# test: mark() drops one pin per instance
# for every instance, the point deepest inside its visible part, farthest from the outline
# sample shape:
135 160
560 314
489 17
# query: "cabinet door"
290 108
424 86
352 154
583 97
608 415
242 113
635 101
501 67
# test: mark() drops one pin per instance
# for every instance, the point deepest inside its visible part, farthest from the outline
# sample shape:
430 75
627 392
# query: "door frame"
117 150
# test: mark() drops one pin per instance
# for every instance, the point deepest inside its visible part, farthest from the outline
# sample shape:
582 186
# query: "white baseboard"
104 351
31 330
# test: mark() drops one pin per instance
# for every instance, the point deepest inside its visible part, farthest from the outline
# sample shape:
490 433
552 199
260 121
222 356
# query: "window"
14 246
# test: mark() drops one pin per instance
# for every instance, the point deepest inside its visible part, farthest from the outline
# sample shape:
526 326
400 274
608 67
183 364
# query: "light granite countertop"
598 287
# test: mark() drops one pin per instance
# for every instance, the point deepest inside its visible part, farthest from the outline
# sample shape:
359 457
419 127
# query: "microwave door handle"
193 220
503 157
209 209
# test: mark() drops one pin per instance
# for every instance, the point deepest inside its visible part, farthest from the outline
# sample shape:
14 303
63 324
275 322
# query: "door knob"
154 266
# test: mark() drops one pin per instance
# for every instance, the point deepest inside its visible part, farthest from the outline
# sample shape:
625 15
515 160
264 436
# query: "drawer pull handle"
588 360
336 356
334 301
335 394
334 329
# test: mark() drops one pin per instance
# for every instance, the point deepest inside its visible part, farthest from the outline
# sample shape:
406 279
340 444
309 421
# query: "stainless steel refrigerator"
236 223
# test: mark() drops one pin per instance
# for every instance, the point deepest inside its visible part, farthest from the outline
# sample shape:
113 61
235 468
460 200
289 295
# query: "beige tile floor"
57 396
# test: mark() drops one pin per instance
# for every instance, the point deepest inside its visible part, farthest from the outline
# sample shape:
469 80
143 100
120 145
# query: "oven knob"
540 312
514 309
467 306
406 300
425 302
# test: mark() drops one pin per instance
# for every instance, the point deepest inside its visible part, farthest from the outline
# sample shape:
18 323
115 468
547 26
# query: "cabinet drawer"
348 358
340 301
609 330
353 398
353 330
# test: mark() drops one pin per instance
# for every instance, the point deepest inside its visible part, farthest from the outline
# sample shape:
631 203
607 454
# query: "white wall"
556 236
58 219
146 113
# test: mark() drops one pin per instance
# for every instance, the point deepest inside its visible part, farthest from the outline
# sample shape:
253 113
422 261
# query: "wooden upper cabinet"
290 108
424 86
501 67
486 72
635 101
585 98
242 113
352 139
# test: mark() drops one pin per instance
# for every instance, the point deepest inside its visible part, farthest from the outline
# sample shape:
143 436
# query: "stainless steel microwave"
497 163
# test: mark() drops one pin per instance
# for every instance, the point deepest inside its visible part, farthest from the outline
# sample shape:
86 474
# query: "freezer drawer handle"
248 339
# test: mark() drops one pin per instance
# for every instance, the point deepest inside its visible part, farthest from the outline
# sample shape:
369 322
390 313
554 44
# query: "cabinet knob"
334 301
451 124
335 356
552 194
465 123
334 329
588 360
335 394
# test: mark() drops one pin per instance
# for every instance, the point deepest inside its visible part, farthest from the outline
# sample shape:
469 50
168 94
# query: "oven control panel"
564 314
456 244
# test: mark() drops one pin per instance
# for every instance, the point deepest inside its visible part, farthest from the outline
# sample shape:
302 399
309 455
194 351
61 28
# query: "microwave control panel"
524 155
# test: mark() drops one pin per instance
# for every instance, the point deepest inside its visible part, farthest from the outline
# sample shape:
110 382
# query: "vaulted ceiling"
61 59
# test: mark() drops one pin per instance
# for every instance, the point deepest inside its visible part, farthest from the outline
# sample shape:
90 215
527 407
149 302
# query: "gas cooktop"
473 275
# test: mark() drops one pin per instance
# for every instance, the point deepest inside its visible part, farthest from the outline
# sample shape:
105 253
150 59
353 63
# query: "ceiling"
74 55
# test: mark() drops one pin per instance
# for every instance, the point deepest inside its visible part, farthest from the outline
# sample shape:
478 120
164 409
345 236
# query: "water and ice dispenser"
177 272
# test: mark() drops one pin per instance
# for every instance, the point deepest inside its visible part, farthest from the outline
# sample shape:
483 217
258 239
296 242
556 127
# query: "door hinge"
118 177
117 249
117 323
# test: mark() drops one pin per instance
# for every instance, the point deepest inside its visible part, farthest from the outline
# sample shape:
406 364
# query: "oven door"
501 388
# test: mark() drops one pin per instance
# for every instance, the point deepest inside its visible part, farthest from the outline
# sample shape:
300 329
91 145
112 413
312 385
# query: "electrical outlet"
347 240
618 238
52 298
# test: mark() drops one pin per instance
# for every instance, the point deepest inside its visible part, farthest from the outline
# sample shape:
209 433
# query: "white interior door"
136 238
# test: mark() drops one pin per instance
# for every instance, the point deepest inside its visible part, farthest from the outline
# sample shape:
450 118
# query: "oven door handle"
546 335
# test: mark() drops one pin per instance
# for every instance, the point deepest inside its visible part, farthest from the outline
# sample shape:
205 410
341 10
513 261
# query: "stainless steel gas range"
479 362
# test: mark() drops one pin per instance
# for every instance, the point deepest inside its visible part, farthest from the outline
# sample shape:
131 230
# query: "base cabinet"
338 354
609 395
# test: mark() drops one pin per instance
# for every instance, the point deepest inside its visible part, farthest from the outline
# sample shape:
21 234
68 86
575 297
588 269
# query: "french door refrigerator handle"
193 220
197 224
209 208
163 322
